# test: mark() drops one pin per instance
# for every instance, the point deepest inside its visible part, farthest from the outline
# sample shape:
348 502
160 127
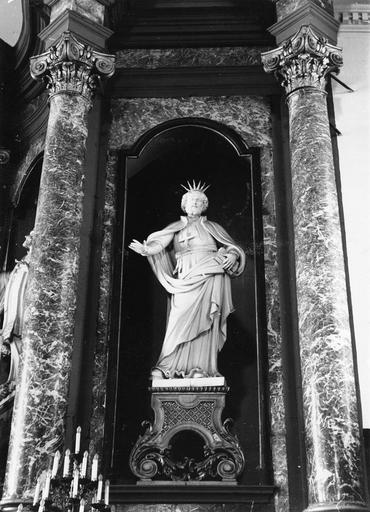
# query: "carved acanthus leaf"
72 67
303 61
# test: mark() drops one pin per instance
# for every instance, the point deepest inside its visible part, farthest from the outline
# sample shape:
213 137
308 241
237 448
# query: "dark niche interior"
152 201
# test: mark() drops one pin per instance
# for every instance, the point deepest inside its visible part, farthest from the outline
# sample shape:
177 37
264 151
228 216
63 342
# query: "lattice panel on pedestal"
175 414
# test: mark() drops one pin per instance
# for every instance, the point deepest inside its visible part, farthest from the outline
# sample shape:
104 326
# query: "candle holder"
67 487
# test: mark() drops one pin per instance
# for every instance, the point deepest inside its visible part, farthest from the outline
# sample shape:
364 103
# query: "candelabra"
66 486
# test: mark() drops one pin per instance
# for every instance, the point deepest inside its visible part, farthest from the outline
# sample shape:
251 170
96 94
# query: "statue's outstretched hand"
140 248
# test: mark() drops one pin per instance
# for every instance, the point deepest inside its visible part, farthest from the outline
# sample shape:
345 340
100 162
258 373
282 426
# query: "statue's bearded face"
194 203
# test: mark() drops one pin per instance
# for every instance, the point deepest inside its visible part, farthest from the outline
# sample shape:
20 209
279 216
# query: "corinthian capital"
303 61
71 67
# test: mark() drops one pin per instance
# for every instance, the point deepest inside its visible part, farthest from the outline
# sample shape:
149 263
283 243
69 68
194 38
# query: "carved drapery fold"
303 61
71 67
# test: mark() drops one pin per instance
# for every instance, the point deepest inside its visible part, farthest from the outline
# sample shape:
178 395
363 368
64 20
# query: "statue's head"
28 240
195 200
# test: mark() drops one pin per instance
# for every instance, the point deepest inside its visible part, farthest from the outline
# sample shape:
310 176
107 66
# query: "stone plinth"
192 408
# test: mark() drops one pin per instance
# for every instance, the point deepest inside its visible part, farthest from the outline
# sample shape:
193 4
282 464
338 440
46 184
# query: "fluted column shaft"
332 429
70 70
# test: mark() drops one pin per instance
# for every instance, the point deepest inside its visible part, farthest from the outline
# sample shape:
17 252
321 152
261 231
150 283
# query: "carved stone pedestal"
187 414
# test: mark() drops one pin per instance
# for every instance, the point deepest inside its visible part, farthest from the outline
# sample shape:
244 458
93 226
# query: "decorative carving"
175 414
197 412
303 61
71 67
4 156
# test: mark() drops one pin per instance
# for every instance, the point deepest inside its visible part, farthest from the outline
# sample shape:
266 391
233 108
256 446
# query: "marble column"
331 410
71 71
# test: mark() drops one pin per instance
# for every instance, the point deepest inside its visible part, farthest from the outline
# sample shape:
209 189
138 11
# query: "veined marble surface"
43 384
195 507
276 390
329 389
286 7
251 118
105 278
247 115
92 9
186 57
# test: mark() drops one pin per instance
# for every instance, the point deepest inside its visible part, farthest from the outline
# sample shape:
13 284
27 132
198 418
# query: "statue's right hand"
139 247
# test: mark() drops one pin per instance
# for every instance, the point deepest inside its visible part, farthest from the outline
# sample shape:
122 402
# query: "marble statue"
193 258
12 307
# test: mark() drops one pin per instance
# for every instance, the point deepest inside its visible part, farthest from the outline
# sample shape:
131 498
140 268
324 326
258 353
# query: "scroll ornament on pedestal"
195 410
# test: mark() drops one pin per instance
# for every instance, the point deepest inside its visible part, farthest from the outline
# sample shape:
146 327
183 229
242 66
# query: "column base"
338 506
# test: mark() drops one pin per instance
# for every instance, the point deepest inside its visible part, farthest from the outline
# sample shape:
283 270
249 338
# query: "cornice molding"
354 14
192 81
212 28
87 31
322 22
303 61
71 67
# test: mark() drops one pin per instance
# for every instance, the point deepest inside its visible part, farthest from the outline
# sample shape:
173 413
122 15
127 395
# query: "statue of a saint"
12 305
193 259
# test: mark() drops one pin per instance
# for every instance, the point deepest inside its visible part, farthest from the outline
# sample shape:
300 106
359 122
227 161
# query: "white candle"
82 506
100 489
94 469
106 493
75 483
55 464
66 463
78 440
37 492
84 465
46 490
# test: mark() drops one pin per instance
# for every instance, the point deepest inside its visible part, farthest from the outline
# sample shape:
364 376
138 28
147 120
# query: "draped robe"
200 294
12 305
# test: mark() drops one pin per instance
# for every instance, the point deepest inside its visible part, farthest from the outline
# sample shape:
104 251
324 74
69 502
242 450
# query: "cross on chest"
185 238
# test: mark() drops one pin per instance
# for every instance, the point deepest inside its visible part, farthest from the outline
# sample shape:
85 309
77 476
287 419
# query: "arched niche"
150 192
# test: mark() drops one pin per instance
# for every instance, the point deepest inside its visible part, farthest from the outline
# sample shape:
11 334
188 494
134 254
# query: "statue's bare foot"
157 374
197 373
